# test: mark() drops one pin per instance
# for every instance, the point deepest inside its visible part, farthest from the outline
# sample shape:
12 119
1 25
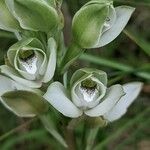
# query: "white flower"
29 63
89 95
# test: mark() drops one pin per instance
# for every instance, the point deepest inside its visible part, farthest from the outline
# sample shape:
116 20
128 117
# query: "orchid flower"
90 95
29 63
98 23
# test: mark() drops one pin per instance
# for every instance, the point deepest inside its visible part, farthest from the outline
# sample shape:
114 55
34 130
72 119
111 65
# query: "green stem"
70 138
47 122
73 52
91 138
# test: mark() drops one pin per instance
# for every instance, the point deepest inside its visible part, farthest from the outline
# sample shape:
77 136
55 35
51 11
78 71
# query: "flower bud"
97 23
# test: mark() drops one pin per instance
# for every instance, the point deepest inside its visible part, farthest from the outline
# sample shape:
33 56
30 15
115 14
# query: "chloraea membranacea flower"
29 63
89 94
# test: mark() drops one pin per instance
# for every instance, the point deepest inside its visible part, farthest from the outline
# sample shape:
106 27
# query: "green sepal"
24 103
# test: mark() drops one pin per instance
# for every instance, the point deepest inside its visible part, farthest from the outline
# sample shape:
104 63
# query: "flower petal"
6 84
52 61
21 103
24 103
57 97
132 90
113 94
8 71
123 15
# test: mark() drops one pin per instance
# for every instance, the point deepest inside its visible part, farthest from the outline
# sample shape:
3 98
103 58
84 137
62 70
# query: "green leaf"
47 122
34 14
7 20
24 103
116 65
132 122
91 138
39 135
143 44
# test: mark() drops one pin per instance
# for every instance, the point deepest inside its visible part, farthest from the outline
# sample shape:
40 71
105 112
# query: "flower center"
28 61
89 90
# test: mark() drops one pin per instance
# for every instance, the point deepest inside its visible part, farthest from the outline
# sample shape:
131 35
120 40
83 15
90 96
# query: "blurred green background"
125 59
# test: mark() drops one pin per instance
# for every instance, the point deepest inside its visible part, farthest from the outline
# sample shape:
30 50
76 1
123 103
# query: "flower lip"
88 92
28 61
